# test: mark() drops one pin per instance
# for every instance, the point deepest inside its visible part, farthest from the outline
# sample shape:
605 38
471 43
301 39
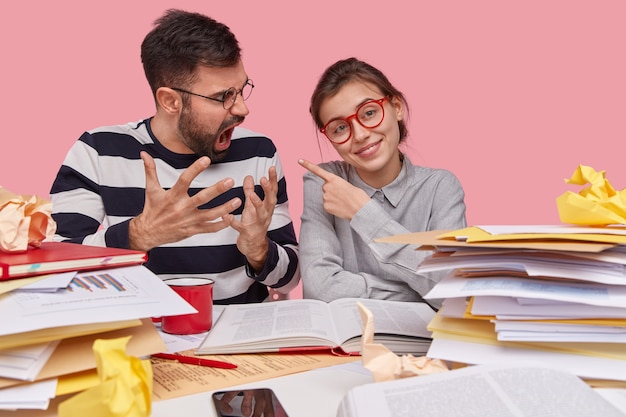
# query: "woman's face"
372 151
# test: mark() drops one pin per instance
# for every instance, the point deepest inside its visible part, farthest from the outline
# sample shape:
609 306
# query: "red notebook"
53 257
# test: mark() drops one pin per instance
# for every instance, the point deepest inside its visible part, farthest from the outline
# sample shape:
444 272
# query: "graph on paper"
88 289
109 295
96 282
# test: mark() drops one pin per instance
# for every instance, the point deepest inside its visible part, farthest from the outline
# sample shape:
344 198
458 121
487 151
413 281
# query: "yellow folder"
446 238
482 331
76 354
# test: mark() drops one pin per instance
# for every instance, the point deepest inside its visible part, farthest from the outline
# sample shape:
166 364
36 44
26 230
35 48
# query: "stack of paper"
51 323
548 294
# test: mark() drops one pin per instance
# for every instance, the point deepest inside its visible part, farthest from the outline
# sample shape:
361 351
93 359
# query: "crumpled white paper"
25 220
386 365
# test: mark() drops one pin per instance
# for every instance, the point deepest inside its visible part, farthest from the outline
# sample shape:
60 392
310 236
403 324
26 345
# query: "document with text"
480 391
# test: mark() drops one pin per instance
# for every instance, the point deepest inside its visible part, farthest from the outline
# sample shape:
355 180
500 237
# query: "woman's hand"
341 198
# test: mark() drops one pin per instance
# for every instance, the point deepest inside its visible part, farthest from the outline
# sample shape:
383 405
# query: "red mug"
198 292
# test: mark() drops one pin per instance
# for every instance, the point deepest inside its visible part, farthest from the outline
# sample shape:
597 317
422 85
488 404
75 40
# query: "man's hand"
256 218
340 198
172 215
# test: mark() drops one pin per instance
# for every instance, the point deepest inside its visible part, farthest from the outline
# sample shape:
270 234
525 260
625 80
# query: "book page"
616 396
280 324
479 391
392 317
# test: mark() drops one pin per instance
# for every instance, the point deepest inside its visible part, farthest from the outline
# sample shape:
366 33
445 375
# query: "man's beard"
202 142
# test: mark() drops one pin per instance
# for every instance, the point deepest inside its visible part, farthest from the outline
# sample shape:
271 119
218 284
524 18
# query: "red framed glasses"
369 115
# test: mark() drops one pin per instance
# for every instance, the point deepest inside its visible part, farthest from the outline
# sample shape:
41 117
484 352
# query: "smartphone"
260 402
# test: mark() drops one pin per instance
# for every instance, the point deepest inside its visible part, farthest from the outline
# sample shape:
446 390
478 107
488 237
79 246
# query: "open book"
305 324
482 390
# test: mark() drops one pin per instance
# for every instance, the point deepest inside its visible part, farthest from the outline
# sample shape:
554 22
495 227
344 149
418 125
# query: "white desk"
315 393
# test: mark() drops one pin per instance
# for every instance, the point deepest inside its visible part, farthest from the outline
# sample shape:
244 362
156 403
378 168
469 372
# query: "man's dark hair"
181 41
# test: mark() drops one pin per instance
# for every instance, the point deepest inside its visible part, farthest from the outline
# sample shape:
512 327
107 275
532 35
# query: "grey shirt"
340 259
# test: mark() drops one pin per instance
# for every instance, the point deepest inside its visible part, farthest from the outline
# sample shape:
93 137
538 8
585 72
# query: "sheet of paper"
25 363
76 354
55 333
530 337
453 307
482 331
549 331
173 379
50 283
13 284
35 396
514 229
479 353
550 326
442 238
532 264
615 396
615 254
475 234
94 297
567 291
510 308
176 343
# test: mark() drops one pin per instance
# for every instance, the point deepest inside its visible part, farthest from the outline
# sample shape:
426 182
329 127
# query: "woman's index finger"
315 169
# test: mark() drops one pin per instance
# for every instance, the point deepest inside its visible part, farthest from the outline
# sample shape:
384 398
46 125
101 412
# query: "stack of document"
51 322
536 294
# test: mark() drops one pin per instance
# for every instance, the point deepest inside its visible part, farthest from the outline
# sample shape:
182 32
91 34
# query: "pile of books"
543 295
58 299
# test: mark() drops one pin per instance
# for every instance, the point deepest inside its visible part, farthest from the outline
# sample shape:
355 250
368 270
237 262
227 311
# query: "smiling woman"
374 191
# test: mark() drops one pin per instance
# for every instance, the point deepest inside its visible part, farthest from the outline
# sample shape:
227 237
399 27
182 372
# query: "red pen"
192 360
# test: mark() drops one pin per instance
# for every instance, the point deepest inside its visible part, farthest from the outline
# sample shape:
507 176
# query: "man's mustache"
232 122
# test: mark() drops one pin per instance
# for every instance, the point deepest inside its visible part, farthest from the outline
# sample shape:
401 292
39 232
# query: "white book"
305 324
502 391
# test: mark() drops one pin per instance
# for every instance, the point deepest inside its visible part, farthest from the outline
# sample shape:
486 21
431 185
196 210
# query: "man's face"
204 126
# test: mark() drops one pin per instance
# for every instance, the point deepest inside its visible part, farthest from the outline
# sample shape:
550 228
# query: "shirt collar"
394 191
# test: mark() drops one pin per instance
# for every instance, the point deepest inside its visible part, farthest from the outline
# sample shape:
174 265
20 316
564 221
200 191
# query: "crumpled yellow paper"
25 221
386 365
595 205
125 388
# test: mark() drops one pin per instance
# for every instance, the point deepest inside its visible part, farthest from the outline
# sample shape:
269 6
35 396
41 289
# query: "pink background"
511 96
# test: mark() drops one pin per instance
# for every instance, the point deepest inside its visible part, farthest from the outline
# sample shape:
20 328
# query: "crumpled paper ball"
598 204
125 388
386 365
25 221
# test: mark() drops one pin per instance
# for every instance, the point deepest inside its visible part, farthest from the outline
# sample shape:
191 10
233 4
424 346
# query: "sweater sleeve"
77 206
